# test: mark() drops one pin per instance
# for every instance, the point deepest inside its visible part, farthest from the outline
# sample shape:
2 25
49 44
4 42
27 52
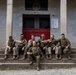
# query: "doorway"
36 25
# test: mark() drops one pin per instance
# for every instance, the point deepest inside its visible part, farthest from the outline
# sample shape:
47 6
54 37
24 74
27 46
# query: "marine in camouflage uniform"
34 54
65 46
43 43
28 46
10 47
51 47
21 46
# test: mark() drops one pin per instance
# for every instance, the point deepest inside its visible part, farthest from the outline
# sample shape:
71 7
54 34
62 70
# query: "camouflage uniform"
63 44
53 45
21 45
43 43
27 47
36 51
64 47
50 47
10 48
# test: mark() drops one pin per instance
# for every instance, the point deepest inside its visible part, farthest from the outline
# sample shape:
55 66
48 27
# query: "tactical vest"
35 50
11 43
63 42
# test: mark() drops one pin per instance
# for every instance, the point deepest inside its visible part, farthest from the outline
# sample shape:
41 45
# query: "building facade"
59 14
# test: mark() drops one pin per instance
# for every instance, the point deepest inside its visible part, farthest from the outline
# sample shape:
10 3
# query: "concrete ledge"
40 63
21 66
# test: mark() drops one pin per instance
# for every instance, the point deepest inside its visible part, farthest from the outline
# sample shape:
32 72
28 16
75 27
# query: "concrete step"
72 51
1 52
21 56
43 65
53 60
10 55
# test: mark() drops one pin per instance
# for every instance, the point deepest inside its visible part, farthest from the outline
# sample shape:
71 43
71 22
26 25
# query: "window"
36 4
44 22
36 21
28 22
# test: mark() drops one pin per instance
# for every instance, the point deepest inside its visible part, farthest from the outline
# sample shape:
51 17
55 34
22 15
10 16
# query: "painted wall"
2 22
72 21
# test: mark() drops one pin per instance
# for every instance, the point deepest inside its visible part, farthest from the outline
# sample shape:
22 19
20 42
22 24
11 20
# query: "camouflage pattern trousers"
66 51
56 49
35 58
9 49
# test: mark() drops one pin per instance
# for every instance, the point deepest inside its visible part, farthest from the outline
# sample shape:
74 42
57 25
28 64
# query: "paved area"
42 72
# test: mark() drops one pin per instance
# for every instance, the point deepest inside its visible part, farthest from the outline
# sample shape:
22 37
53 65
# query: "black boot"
50 56
17 57
47 57
14 57
56 57
60 57
38 69
5 58
31 63
69 57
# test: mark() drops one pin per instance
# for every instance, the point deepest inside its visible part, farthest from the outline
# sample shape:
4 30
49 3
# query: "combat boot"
47 57
24 58
31 63
5 57
17 57
60 57
38 69
57 57
14 57
50 56
69 57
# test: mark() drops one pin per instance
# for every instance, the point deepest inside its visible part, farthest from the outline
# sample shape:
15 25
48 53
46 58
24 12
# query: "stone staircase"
53 63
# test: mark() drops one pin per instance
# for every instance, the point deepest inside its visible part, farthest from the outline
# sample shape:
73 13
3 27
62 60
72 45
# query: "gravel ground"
42 72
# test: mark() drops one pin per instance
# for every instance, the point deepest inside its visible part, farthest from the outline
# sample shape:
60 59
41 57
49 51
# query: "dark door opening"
37 25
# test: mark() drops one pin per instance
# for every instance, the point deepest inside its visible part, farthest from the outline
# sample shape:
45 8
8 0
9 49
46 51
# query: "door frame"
39 15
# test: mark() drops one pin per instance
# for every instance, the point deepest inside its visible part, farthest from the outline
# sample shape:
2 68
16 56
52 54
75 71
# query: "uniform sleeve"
8 43
58 43
68 42
29 50
55 41
29 43
25 42
14 43
40 51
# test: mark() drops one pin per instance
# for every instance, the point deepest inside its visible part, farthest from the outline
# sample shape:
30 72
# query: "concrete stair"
53 63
